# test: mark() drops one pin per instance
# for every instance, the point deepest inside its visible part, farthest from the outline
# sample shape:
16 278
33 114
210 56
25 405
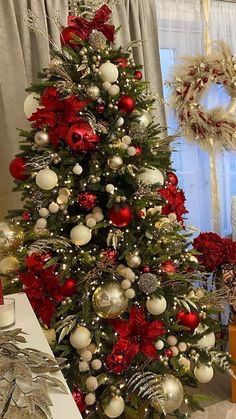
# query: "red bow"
85 27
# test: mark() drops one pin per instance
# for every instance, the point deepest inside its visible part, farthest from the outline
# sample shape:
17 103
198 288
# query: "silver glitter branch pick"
45 245
34 23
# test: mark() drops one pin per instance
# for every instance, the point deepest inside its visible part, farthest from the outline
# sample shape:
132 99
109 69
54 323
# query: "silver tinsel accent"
148 283
97 40
45 245
138 131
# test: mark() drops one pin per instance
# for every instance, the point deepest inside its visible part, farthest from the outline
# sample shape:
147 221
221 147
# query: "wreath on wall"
191 79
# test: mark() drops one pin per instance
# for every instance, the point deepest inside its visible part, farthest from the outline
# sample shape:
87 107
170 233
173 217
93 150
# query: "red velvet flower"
36 261
44 292
87 200
136 335
175 201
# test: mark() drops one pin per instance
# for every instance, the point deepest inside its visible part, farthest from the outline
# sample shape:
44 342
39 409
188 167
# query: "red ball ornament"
100 108
67 37
87 200
81 137
36 261
138 149
168 353
69 287
110 254
120 216
26 216
122 62
138 75
126 104
17 168
146 269
79 398
172 178
190 320
169 267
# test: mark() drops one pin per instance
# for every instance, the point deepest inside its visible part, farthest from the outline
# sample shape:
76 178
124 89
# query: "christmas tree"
100 247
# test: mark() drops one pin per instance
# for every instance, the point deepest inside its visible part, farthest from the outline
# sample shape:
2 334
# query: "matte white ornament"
41 138
9 264
172 217
41 223
156 305
120 268
46 179
133 261
98 216
80 338
145 118
206 342
90 399
184 362
131 151
85 355
127 273
43 212
120 121
126 140
171 340
106 85
193 259
114 90
53 207
182 346
115 408
109 72
110 188
175 350
83 366
150 176
115 162
31 104
92 383
91 222
130 293
203 373
77 169
96 364
80 235
159 345
125 284
93 92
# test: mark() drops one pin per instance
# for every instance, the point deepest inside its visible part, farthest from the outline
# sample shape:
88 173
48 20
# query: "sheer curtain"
181 33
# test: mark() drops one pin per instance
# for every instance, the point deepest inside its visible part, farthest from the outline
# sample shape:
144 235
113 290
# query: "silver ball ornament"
115 162
41 138
148 283
174 392
133 261
93 92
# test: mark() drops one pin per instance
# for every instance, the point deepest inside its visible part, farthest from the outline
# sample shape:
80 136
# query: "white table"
63 404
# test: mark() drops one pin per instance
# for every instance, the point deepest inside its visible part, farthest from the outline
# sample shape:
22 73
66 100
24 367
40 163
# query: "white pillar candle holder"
7 313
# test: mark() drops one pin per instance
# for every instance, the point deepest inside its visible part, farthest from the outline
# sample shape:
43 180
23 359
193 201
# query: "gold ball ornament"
115 407
9 264
109 300
11 237
115 162
50 335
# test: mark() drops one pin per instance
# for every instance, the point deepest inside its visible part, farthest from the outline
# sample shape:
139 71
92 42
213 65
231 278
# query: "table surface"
63 403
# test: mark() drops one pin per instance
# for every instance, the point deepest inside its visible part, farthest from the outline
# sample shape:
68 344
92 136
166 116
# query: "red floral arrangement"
215 251
175 201
135 336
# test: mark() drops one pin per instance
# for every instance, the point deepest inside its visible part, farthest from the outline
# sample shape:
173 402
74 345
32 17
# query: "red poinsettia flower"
51 100
42 117
175 201
136 335
72 106
43 290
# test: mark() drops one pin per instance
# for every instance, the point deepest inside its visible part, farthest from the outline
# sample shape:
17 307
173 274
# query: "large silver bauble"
174 392
41 138
109 300
145 118
115 162
93 92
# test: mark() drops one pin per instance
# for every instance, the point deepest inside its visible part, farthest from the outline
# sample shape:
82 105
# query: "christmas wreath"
191 78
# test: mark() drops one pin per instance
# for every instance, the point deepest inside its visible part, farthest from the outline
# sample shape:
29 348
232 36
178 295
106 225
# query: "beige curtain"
24 53
139 22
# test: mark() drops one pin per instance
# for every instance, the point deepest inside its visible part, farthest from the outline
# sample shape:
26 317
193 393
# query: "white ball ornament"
31 104
159 345
80 235
156 305
9 264
92 383
126 140
53 207
120 268
46 179
115 162
77 169
125 284
150 176
90 399
172 217
171 340
184 362
130 293
41 223
203 373
114 90
96 364
175 350
127 273
83 366
182 346
206 342
91 222
86 355
110 188
41 138
131 151
120 121
106 85
174 392
193 259
98 215
133 261
115 408
43 212
80 337
109 72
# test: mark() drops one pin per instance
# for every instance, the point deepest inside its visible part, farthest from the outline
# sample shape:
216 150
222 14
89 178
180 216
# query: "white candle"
7 313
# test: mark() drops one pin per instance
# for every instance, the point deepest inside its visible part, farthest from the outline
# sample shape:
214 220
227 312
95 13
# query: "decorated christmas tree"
100 247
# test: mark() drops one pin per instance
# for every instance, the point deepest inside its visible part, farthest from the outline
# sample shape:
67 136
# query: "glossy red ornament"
79 398
67 37
172 178
120 216
36 261
122 62
17 168
138 149
168 352
100 108
138 75
69 287
87 200
190 320
126 104
110 254
146 269
26 216
81 137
